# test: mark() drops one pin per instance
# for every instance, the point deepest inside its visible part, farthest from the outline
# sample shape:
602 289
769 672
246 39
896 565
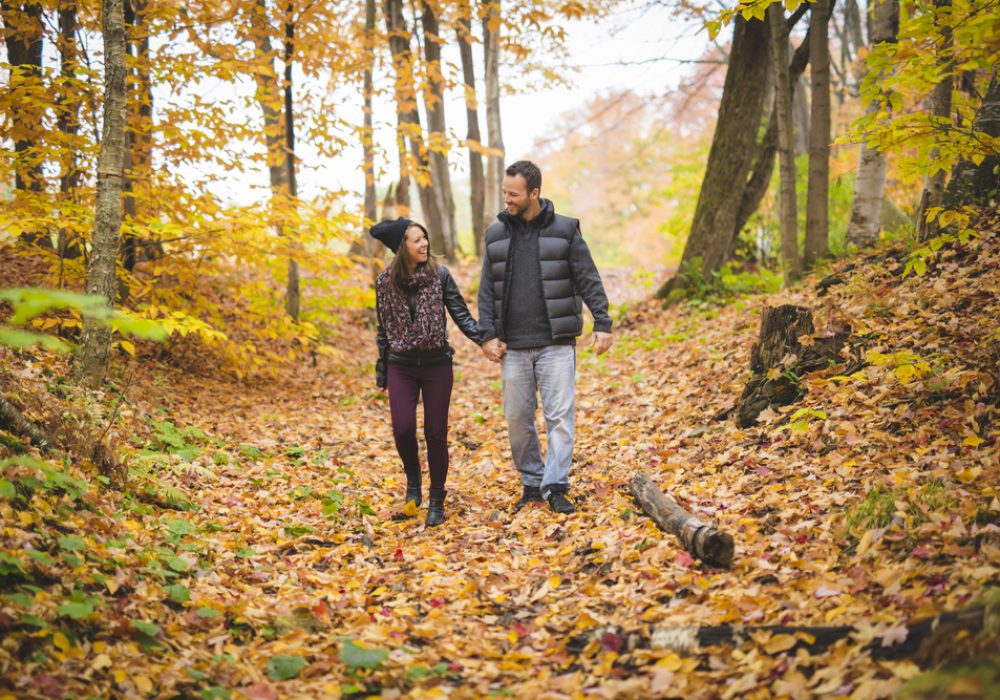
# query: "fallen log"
11 419
699 539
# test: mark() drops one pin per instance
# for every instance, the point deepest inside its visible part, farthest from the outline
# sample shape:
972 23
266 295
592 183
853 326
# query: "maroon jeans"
406 384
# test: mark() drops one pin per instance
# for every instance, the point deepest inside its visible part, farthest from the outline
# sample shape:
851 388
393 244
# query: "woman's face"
417 245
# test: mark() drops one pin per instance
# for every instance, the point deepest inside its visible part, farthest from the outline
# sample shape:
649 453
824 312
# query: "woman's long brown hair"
399 268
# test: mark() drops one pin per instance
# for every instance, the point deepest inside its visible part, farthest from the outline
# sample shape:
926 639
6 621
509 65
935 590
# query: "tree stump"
702 540
779 347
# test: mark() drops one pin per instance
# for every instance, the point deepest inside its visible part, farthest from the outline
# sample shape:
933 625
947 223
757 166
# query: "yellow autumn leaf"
127 347
555 582
779 643
101 661
410 509
60 642
973 441
670 662
143 684
969 474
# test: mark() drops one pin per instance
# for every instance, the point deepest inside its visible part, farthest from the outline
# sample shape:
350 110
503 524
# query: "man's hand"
602 342
494 349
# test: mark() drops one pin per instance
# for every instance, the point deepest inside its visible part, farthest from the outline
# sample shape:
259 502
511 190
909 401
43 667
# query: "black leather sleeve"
459 310
381 367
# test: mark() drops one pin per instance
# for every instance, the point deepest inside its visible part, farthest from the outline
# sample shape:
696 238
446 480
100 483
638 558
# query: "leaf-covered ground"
285 567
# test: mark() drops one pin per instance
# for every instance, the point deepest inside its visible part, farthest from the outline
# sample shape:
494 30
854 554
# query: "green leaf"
76 611
357 655
72 543
9 564
281 668
7 489
208 613
179 593
147 628
14 338
176 564
180 527
22 600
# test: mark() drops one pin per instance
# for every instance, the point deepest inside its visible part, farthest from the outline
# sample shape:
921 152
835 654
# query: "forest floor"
285 567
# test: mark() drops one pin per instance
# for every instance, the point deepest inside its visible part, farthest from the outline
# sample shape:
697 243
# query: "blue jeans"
549 371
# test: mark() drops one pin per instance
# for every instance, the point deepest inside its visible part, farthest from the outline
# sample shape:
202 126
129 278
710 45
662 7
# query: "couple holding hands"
536 270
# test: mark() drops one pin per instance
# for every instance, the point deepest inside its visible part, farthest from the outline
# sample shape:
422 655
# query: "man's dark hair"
529 171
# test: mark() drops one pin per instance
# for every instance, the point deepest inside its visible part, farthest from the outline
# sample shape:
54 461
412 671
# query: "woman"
412 294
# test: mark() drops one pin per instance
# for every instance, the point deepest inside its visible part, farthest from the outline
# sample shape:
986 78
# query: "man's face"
516 197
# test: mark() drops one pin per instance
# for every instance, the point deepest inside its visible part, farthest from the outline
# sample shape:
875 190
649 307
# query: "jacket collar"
543 219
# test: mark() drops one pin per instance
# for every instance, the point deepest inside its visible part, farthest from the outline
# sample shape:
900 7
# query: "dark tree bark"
409 117
788 200
698 538
23 37
68 122
366 245
817 242
292 291
95 343
494 130
779 347
933 193
977 184
730 156
473 137
446 241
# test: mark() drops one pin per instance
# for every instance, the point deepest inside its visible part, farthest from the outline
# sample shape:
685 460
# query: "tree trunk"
933 193
977 184
729 158
800 115
494 161
473 138
95 343
862 228
779 346
129 244
365 245
437 133
139 140
791 263
409 116
763 165
68 123
817 243
698 538
292 292
23 37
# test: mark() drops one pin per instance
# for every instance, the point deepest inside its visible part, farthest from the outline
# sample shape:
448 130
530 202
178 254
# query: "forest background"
197 482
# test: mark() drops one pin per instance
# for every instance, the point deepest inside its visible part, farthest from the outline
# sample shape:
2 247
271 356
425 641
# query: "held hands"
494 349
601 342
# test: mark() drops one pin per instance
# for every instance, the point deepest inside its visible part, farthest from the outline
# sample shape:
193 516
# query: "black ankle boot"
435 511
413 492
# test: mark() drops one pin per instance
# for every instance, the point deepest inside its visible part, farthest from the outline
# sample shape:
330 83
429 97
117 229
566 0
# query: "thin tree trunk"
366 245
409 116
292 291
494 161
129 244
473 138
933 193
817 243
68 123
730 156
800 115
862 229
437 133
23 37
95 343
791 263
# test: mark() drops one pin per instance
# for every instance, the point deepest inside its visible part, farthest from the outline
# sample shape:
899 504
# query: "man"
536 269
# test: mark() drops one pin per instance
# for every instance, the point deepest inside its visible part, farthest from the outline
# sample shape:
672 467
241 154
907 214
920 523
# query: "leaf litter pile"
261 549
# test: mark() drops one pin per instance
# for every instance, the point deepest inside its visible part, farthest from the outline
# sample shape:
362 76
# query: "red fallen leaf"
320 609
521 629
437 602
611 642
398 554
261 691
386 612
684 559
922 552
49 685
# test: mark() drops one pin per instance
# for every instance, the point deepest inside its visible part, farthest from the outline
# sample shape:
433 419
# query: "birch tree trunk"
95 343
862 229
494 161
473 138
817 243
437 135
933 193
786 156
